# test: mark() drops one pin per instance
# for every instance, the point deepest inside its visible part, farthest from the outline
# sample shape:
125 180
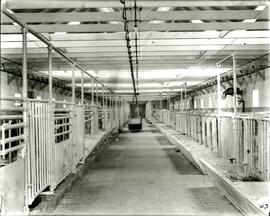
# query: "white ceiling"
179 41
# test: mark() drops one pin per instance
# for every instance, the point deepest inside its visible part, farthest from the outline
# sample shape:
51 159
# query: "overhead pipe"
210 82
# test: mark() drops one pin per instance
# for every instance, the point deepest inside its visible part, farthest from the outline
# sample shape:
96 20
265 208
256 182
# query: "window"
201 103
210 102
195 104
255 97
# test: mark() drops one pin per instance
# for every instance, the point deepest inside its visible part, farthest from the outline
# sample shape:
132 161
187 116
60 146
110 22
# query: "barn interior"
131 107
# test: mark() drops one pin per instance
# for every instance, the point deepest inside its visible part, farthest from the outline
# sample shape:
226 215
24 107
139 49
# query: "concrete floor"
140 173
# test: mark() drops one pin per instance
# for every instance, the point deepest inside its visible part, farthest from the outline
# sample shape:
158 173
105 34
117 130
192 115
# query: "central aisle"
140 173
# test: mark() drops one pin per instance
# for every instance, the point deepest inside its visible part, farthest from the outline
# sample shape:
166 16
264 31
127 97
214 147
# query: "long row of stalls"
243 140
237 136
43 139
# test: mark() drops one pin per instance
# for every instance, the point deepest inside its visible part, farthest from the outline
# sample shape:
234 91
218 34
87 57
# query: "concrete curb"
186 152
228 188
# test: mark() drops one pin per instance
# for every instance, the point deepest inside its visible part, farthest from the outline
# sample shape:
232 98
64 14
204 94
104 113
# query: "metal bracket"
41 87
261 74
11 78
230 83
223 85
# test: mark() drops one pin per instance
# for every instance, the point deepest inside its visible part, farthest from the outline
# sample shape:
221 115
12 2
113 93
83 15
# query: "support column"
103 104
92 91
219 113
74 121
234 86
97 93
82 88
235 128
51 117
185 106
96 109
73 84
106 98
168 109
92 109
25 152
160 111
50 72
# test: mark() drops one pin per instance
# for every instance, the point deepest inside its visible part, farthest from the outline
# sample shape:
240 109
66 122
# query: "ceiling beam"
148 35
144 49
105 59
242 53
146 15
145 43
144 26
26 4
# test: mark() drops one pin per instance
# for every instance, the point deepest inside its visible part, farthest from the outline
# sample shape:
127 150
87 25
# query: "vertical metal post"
181 100
185 97
219 111
110 100
234 86
73 84
168 103
97 93
25 152
235 128
24 64
51 117
82 87
160 102
185 106
92 91
106 98
160 112
73 119
103 104
168 109
50 72
150 112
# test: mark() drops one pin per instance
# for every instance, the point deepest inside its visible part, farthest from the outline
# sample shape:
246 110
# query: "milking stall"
135 107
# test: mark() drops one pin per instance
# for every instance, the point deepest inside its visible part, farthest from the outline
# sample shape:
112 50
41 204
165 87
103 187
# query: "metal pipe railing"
43 124
250 149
